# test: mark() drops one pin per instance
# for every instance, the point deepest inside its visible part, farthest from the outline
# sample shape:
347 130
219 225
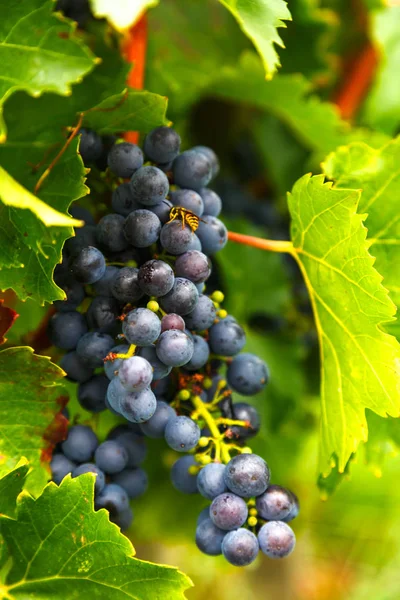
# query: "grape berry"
170 354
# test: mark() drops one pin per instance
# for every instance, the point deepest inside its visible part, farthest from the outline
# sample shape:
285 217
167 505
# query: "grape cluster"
144 340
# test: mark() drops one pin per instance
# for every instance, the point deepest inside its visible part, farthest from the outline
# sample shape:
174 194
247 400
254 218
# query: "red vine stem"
135 53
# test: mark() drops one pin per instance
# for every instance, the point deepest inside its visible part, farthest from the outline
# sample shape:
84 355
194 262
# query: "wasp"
187 217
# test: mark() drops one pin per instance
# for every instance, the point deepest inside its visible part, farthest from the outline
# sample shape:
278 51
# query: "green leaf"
10 488
38 52
382 107
128 111
30 396
259 20
59 543
29 250
121 13
376 172
315 123
359 361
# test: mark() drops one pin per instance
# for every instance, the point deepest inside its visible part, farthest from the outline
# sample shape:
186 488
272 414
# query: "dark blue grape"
90 144
195 243
160 370
138 407
202 316
181 478
247 374
193 265
188 199
93 347
240 547
175 238
245 412
192 170
228 511
142 228
115 393
122 200
162 144
155 426
203 516
92 393
201 353
88 266
209 538
80 443
75 369
111 457
66 329
182 434
124 159
133 481
141 327
156 278
213 235
161 387
295 509
102 287
123 519
275 504
162 210
182 298
114 498
247 475
84 237
212 157
211 201
135 374
100 481
210 480
110 233
174 348
110 366
82 214
75 296
134 444
60 466
102 314
226 338
125 286
149 186
276 539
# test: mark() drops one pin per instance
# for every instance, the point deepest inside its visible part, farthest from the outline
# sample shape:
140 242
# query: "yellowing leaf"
14 194
122 14
259 20
360 363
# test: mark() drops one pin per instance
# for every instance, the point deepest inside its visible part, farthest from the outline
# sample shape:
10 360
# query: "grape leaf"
259 20
30 250
38 52
30 396
316 124
128 111
382 107
359 361
59 542
376 172
10 487
121 13
7 318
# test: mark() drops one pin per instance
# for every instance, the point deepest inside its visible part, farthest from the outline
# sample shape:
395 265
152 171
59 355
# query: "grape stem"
221 449
261 243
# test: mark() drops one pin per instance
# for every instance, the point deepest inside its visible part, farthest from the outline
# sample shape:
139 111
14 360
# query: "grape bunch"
145 340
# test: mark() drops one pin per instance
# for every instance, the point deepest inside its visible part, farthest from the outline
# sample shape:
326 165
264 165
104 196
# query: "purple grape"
228 511
193 265
247 475
276 539
240 547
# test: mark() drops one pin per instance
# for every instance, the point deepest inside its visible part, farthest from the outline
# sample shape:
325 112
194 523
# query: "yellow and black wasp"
187 217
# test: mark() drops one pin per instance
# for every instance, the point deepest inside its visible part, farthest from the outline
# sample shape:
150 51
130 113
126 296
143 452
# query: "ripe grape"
182 433
181 478
240 547
111 457
75 369
133 481
275 504
80 444
175 237
149 185
138 407
102 314
247 475
60 466
174 348
66 329
142 228
100 481
162 145
160 370
276 539
228 511
110 233
141 327
213 235
182 298
188 199
211 201
125 286
210 480
192 170
247 374
92 393
122 200
114 498
88 266
226 338
124 159
172 321
93 347
155 426
209 538
212 157
156 278
193 265
202 316
135 374
201 353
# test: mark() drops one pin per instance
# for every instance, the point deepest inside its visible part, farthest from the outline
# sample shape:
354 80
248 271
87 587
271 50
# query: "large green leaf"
260 19
359 362
10 487
127 111
29 249
377 173
38 52
62 548
30 396
382 107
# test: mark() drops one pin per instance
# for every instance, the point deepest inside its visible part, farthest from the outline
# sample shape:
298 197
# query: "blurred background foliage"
267 134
